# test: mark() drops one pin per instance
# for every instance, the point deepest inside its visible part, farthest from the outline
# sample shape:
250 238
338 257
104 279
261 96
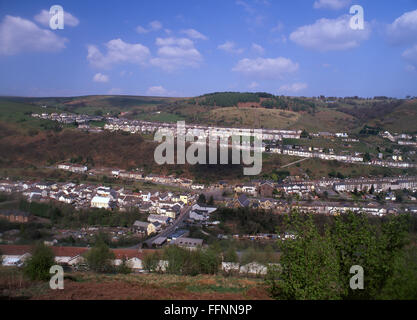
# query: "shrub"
100 258
38 265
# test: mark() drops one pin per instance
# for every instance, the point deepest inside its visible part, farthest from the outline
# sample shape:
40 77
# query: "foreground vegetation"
317 263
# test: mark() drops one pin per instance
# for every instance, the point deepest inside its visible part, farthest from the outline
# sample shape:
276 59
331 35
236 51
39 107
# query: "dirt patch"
120 290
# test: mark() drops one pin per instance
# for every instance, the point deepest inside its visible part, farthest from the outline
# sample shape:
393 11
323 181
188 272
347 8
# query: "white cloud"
194 34
330 34
331 4
266 68
21 35
410 55
99 77
158 91
293 88
118 51
258 49
156 25
43 18
253 85
175 53
180 42
152 26
230 47
404 29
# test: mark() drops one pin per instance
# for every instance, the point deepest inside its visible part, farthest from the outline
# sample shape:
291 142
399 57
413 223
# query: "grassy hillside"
234 109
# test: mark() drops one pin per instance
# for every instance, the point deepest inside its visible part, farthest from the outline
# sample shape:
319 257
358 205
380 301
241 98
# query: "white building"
101 202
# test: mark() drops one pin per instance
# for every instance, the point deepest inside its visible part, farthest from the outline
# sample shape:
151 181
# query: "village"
273 141
169 214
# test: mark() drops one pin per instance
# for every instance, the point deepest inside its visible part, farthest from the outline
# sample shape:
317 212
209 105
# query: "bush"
100 258
151 261
185 262
38 265
124 267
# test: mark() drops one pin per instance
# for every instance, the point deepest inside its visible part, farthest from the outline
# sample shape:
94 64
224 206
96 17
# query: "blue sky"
192 47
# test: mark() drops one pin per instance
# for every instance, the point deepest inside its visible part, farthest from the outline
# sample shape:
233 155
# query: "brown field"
88 286
253 117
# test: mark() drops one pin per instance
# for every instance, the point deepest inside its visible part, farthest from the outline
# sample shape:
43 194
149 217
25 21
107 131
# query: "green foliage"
248 221
202 199
228 99
100 258
230 255
66 216
124 267
403 283
316 264
191 262
37 266
309 264
151 261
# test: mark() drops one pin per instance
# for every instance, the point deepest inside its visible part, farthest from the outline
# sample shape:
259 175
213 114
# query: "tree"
124 267
373 247
100 258
211 201
230 255
304 134
201 199
309 264
372 190
38 265
209 261
151 261
403 283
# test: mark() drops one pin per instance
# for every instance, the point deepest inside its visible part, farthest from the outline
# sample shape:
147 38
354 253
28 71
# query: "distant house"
16 255
249 188
242 202
73 168
16 216
101 202
188 243
178 234
144 227
163 220
199 213
266 189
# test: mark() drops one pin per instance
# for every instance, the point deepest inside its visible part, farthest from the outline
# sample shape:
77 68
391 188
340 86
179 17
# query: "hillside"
88 286
27 143
253 110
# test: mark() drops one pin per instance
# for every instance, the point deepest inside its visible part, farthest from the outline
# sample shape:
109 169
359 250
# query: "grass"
14 285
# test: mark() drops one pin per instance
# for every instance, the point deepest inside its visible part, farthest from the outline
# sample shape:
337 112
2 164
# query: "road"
184 214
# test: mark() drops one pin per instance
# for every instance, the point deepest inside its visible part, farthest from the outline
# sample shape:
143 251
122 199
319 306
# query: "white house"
101 202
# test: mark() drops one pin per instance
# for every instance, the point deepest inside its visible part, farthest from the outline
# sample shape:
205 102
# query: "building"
101 202
163 220
178 234
266 189
73 168
188 243
145 228
15 216
199 213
